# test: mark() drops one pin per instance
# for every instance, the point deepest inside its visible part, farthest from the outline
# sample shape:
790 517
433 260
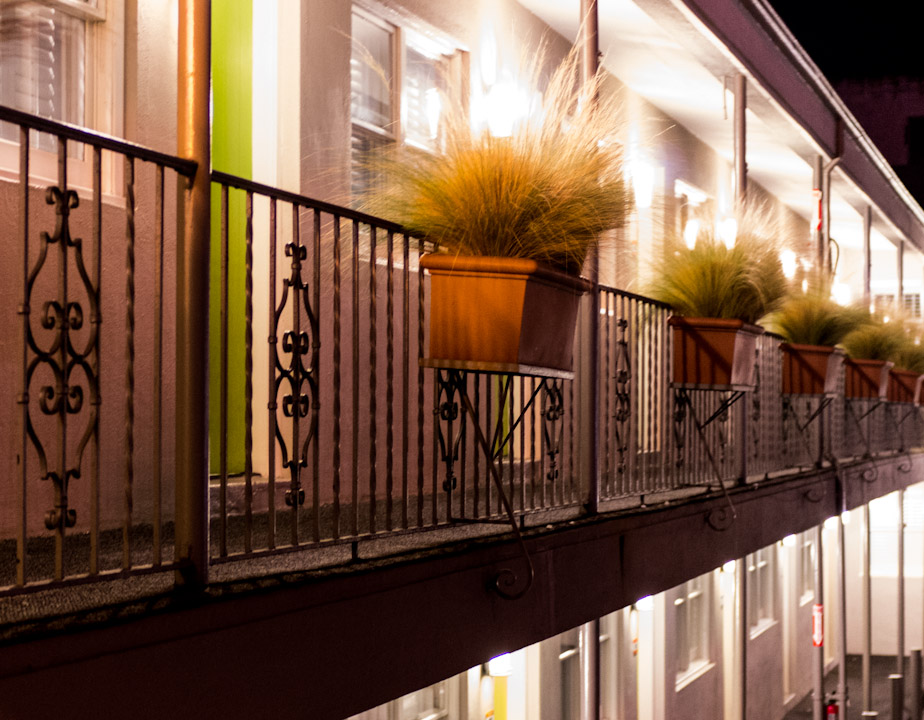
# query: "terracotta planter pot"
710 352
904 386
810 369
866 378
504 314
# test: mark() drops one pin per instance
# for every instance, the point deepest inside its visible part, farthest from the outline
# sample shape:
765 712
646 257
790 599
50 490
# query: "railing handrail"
186 168
223 178
635 296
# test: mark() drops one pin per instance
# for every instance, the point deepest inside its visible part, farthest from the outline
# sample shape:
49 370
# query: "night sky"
858 39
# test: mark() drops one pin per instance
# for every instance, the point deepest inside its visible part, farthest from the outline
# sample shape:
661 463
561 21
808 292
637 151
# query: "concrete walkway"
880 669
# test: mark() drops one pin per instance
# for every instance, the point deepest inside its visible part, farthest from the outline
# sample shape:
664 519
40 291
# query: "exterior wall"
765 673
702 695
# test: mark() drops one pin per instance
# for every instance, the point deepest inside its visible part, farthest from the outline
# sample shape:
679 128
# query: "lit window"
806 560
761 567
692 609
397 89
62 60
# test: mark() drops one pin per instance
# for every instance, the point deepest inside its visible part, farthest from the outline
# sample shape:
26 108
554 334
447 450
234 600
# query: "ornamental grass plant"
545 193
813 318
711 280
876 339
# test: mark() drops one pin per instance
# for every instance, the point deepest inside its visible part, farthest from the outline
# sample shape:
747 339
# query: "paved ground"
881 668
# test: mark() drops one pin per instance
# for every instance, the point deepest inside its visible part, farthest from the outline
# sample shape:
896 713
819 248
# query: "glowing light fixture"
831 523
690 232
842 294
788 260
726 229
505 106
500 666
729 567
645 604
789 541
641 177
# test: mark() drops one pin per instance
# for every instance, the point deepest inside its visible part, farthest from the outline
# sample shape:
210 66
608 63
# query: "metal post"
900 645
817 234
826 212
818 666
741 145
841 621
192 306
590 670
897 688
590 314
743 635
900 270
867 614
867 256
914 671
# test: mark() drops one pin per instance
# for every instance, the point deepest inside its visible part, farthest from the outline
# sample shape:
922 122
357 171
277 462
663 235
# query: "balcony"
333 450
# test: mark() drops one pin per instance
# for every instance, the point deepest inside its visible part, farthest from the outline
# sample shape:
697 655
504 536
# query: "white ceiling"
642 55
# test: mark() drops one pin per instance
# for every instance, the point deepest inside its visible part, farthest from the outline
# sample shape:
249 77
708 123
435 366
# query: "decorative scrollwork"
295 378
450 428
721 518
623 411
553 412
52 359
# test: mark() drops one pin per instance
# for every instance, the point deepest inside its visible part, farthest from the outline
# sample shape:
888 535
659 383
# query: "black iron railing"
326 427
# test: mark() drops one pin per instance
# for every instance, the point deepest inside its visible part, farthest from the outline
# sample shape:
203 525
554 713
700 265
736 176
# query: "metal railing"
85 494
326 428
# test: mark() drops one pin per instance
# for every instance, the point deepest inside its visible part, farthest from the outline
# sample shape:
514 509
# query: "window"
912 304
397 83
761 586
692 609
806 560
63 60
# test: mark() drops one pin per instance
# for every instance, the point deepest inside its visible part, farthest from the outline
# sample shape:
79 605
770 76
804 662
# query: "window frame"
104 101
693 648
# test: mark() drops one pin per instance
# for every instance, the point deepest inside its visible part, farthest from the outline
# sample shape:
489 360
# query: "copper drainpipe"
589 395
192 302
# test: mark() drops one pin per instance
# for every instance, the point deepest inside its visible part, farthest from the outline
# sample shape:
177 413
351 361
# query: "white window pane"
370 73
42 62
422 90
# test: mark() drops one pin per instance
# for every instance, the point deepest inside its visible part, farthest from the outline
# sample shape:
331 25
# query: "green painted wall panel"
232 152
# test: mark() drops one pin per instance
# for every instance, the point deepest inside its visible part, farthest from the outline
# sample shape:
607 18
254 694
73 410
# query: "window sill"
693 673
761 627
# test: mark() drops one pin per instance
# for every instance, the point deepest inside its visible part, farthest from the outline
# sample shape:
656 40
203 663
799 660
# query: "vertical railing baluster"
272 365
22 530
609 371
315 375
476 456
223 381
523 444
354 385
130 361
95 322
390 382
373 387
158 351
405 375
294 494
248 375
538 462
420 388
337 396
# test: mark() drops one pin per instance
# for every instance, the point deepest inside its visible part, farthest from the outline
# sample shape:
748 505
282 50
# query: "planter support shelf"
790 417
682 404
452 379
858 420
